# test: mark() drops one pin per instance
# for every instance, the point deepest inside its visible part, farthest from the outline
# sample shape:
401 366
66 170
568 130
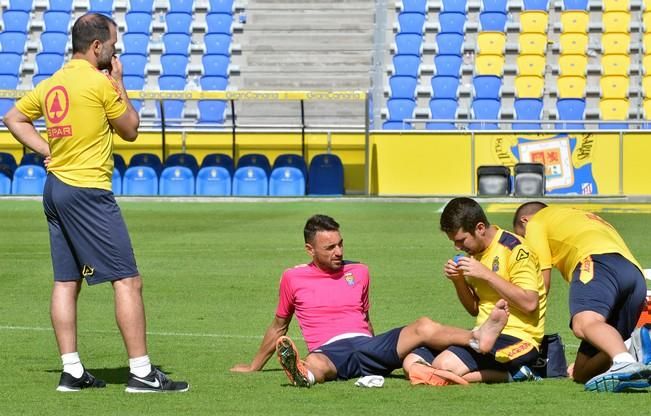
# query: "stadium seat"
217 44
172 64
403 86
13 42
528 179
410 44
28 180
176 181
414 6
409 22
185 6
492 21
396 125
617 21
291 160
448 65
32 159
255 159
646 43
10 63
5 184
213 181
104 7
48 63
492 43
326 175
211 111
445 87
182 159
570 109
8 82
119 163
134 83
613 110
485 110
647 113
442 109
150 160
224 6
534 21
5 105
15 21
494 5
178 43
140 180
400 109
615 43
286 181
59 6
493 180
575 4
532 44
487 86
219 23
8 161
527 109
646 20
531 86
573 43
54 42
136 43
615 65
146 6
213 83
218 159
215 65
406 65
452 22
138 22
449 43
133 64
459 6
178 22
571 87
116 182
173 108
24 5
574 65
615 5
614 86
531 65
575 21
486 64
536 5
250 181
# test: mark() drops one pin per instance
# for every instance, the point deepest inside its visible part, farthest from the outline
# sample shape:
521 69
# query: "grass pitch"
211 273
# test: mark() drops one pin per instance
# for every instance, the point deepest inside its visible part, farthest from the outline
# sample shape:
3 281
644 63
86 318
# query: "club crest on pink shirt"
350 279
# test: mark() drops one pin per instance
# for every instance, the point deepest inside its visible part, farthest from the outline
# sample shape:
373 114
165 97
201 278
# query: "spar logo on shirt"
57 105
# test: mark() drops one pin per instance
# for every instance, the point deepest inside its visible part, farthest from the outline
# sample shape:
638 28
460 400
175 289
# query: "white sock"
72 364
623 357
140 366
310 377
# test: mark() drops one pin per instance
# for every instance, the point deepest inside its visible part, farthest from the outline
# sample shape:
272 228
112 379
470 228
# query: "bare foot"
491 329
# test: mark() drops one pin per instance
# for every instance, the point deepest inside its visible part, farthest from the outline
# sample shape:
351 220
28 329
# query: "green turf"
211 272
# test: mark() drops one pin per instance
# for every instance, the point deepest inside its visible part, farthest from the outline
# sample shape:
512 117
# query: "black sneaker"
87 380
155 382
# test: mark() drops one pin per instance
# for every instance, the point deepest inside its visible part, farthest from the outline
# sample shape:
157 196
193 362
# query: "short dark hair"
88 28
318 223
528 208
462 213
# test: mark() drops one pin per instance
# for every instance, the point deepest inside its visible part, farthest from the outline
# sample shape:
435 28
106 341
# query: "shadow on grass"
117 375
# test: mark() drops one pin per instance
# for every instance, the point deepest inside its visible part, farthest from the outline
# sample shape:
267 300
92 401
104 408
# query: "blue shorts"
611 286
364 356
508 354
88 237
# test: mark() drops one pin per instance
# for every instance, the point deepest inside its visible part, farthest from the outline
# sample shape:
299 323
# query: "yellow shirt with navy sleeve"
78 101
563 237
511 258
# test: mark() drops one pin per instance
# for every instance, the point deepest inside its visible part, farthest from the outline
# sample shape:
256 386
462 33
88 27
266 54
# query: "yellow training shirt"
563 237
78 101
511 258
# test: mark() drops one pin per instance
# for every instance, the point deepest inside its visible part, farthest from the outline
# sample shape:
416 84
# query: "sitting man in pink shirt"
330 299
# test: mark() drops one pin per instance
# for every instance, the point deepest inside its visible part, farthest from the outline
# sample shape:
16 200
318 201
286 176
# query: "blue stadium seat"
211 111
178 22
414 6
31 159
133 64
13 42
575 4
219 23
173 108
449 43
60 6
116 182
570 109
15 21
185 6
286 181
218 159
527 109
493 21
176 181
54 42
134 83
291 160
140 180
136 43
213 83
217 44
454 6
454 22
48 63
141 6
214 181
448 65
119 163
445 87
36 79
104 7
138 22
28 180
536 5
409 22
326 175
182 159
8 162
24 5
5 184
485 109
406 65
255 159
178 43
400 109
487 86
494 6
150 160
403 86
396 125
10 63
56 21
442 109
215 65
250 181
173 64
224 6
5 105
7 82
409 44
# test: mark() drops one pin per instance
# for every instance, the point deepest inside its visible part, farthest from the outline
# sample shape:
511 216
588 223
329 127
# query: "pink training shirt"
326 304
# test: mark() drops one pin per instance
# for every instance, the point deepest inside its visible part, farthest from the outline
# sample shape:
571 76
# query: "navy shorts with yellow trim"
88 236
612 286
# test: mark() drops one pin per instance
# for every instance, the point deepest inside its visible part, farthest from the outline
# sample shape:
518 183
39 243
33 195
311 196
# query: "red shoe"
424 374
291 362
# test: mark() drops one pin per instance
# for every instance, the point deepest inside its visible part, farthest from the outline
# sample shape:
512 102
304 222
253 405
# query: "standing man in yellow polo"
84 103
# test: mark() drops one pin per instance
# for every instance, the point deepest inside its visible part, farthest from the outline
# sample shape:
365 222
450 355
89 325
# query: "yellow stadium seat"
646 87
615 5
491 43
574 43
613 109
487 64
533 43
646 64
614 86
531 64
615 43
616 22
646 4
575 21
573 64
529 86
646 19
647 109
533 21
646 43
571 87
615 64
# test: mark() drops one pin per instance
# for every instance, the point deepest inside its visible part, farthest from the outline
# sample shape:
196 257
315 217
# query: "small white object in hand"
370 381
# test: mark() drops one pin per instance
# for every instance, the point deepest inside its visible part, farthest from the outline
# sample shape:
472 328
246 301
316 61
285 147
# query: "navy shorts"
508 354
364 356
611 286
88 237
